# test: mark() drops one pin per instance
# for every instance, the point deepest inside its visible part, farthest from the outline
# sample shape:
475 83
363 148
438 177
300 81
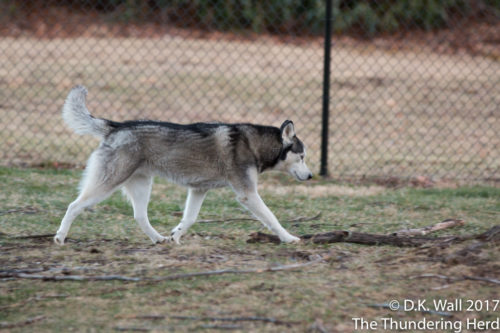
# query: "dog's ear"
287 132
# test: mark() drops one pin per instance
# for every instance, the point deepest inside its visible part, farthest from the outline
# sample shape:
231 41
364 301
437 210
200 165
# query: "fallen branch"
401 308
349 237
457 279
34 236
305 218
449 223
131 329
226 319
220 327
239 271
22 210
10 272
76 277
147 316
430 275
26 322
236 319
261 237
484 239
491 235
478 278
366 239
164 278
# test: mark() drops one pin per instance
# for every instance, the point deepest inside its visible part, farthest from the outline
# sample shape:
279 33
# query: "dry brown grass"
319 191
332 292
327 294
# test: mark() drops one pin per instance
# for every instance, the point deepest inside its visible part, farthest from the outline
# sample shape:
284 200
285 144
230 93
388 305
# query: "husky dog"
199 156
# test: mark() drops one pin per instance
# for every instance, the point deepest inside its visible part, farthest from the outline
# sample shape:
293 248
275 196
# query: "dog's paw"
59 239
176 237
290 239
176 234
161 239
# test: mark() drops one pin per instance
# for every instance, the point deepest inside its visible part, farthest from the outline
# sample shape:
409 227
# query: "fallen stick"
238 271
147 316
9 272
227 319
478 278
34 236
305 218
349 237
26 322
131 329
220 327
401 308
457 279
76 277
431 275
261 237
164 278
367 239
236 319
491 235
449 223
22 210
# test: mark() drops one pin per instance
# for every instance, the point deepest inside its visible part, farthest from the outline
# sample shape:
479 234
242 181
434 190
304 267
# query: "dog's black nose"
310 176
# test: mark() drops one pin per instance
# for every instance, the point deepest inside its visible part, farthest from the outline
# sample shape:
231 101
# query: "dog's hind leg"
83 201
92 193
99 182
138 189
194 201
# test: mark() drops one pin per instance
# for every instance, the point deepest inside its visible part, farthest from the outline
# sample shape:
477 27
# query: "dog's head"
293 154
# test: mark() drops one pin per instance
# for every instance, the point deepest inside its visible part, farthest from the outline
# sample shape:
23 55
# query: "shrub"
307 16
302 17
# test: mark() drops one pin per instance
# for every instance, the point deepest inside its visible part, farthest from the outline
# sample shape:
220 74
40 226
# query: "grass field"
397 112
342 281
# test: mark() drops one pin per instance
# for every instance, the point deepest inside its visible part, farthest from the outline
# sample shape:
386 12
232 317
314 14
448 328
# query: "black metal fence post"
326 90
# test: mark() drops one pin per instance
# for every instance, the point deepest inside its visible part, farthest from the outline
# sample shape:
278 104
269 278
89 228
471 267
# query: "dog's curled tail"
78 117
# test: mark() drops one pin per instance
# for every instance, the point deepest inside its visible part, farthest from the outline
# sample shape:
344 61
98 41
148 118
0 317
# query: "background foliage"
303 17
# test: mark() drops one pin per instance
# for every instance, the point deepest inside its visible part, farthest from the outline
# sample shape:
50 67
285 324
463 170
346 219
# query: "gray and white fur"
199 156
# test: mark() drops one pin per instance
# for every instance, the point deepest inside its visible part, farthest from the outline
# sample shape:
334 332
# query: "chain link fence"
415 85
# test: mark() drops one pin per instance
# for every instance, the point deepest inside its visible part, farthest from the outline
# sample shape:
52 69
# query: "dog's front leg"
254 203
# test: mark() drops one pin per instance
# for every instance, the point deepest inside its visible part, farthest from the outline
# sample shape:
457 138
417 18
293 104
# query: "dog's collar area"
285 151
278 154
